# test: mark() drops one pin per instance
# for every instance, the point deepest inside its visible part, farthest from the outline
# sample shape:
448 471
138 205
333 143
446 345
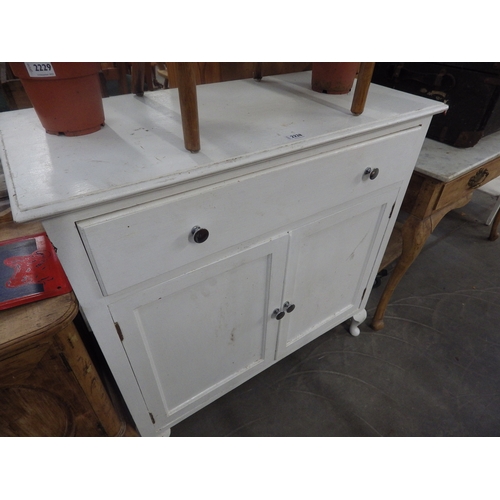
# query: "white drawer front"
133 245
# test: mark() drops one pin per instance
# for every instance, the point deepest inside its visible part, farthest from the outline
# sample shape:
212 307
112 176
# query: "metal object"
199 234
288 307
372 173
278 314
477 179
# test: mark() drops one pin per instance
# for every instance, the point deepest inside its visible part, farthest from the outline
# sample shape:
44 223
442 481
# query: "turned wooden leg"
138 78
362 85
122 77
494 227
189 105
357 319
257 72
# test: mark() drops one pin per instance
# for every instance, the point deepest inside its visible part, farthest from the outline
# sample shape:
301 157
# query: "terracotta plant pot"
66 96
334 77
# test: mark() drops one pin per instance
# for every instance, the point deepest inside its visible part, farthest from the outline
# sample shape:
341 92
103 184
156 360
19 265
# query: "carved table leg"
357 319
494 227
415 232
71 346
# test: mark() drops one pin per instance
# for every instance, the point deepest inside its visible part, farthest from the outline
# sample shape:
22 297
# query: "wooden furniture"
12 89
361 90
215 72
493 189
445 178
142 75
188 102
186 75
48 383
196 272
115 72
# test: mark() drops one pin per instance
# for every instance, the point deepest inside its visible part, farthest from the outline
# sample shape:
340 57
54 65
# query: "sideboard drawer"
468 182
136 244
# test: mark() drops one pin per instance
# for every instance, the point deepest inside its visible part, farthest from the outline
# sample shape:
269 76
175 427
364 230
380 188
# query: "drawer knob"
372 172
288 307
199 234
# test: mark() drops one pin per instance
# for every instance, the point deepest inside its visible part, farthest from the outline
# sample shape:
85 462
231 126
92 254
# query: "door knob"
199 234
288 307
278 314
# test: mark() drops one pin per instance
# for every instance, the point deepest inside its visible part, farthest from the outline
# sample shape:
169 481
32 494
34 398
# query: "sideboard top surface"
141 146
446 163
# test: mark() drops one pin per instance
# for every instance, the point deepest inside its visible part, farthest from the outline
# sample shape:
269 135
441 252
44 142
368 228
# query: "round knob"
288 307
199 234
371 172
278 314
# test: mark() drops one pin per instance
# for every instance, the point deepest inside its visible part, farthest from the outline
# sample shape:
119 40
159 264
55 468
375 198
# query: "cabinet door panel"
330 262
193 338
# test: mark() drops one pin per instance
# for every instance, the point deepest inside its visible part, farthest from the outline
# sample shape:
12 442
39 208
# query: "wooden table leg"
415 232
138 69
257 72
71 345
494 227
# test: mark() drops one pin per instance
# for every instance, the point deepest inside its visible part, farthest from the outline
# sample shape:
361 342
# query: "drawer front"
133 245
468 183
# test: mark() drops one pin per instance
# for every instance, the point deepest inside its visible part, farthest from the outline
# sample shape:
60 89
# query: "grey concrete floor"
434 370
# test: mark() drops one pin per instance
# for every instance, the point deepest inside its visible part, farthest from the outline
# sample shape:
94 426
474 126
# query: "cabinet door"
195 337
330 264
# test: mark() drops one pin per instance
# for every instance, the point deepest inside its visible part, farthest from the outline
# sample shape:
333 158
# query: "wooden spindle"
362 86
138 69
186 77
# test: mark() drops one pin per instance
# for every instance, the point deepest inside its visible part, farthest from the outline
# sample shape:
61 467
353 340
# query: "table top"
446 163
141 148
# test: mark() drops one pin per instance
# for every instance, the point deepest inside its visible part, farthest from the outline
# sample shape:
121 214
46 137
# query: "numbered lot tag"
294 136
40 69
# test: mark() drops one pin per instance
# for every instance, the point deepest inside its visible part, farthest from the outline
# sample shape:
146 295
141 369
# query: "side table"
444 179
49 385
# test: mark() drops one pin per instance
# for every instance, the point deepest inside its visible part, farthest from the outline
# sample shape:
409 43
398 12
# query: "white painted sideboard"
296 195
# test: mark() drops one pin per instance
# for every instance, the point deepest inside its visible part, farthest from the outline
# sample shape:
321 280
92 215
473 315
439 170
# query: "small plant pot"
66 96
333 77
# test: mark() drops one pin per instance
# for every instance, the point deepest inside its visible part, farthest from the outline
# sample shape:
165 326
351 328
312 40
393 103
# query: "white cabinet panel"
329 267
154 238
190 338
